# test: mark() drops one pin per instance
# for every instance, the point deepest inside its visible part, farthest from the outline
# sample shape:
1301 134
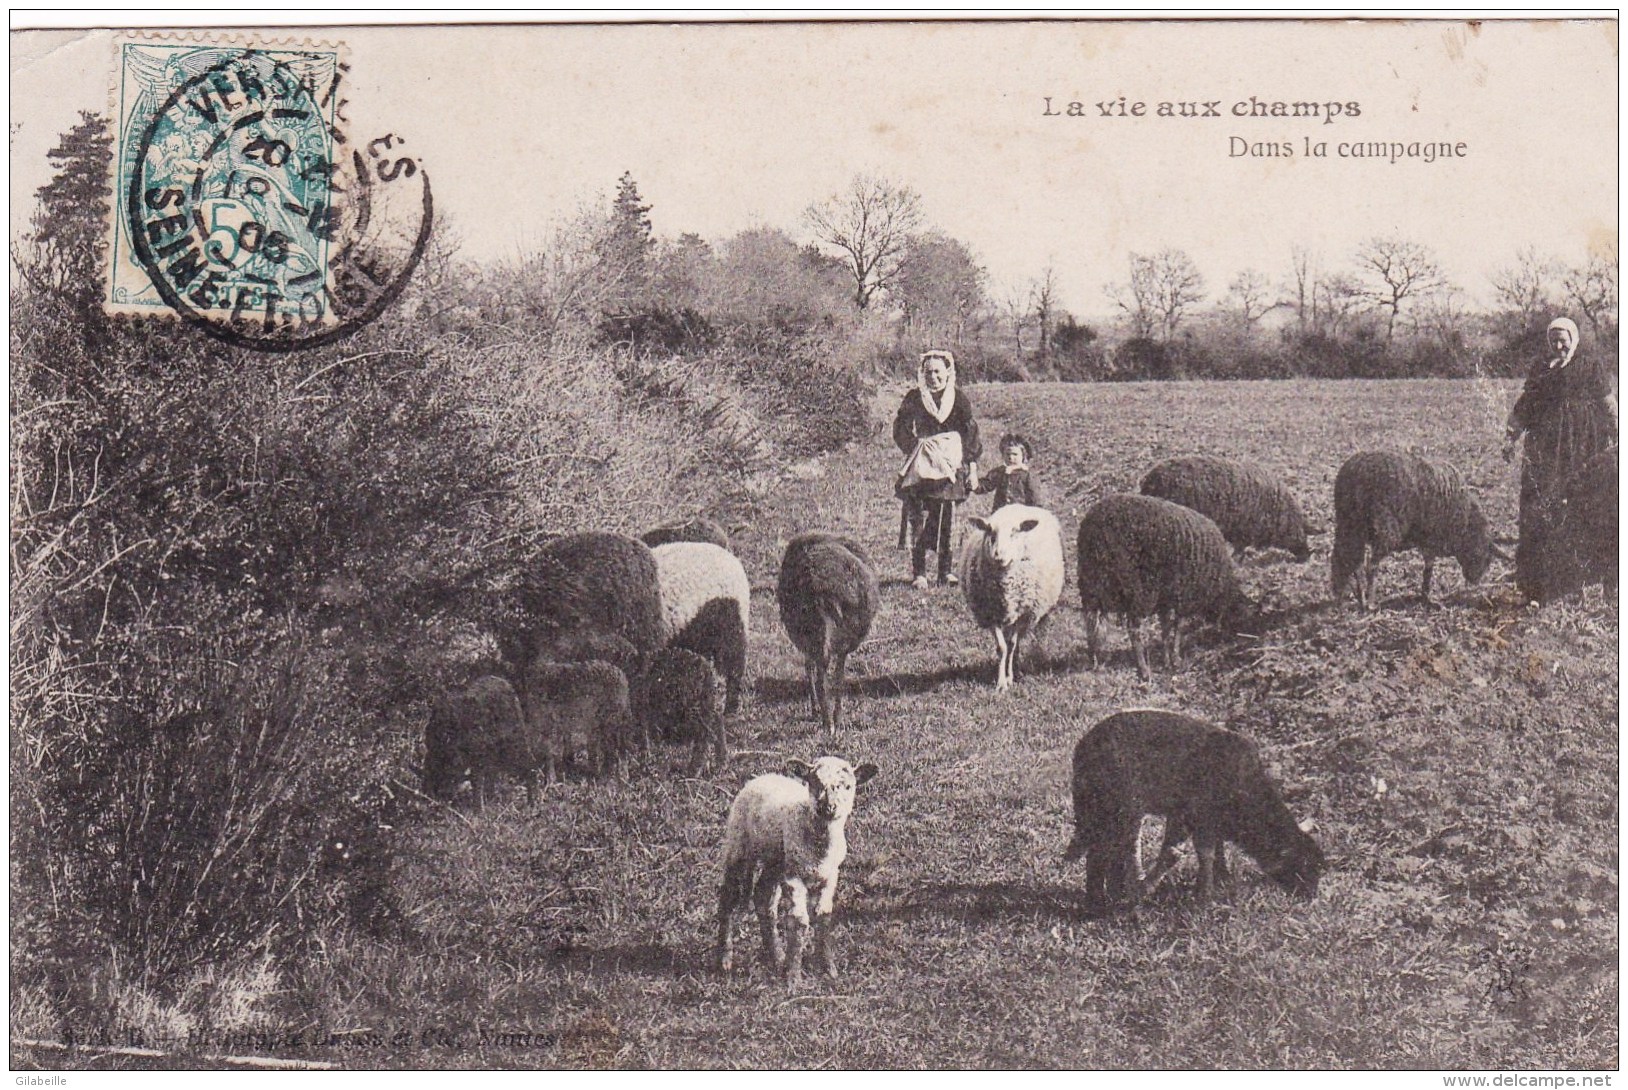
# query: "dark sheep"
697 529
1385 502
676 699
1205 781
828 595
1140 556
1252 508
591 645
472 734
571 706
594 581
1573 541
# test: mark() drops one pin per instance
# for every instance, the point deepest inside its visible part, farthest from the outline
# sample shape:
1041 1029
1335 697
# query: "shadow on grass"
972 902
637 959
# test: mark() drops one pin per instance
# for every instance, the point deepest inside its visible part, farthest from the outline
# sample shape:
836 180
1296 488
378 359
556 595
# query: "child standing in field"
1014 480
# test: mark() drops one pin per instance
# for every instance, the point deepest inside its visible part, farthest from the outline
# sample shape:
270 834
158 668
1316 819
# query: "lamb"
1385 502
706 604
788 832
697 529
572 703
828 595
472 734
1252 508
593 581
1140 556
676 697
1573 540
1014 577
1205 781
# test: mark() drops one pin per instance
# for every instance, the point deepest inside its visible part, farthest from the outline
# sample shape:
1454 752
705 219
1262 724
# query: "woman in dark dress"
936 431
1568 413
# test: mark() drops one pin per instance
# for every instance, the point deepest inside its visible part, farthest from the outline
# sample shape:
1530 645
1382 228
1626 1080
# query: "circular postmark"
258 221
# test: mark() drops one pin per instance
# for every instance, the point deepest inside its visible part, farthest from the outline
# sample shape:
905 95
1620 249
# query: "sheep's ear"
864 772
1028 524
979 522
797 769
1308 826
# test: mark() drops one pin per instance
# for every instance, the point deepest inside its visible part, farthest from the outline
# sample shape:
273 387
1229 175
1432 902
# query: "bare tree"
870 222
1592 288
1161 288
1394 270
1335 299
1250 292
1524 289
1015 306
1305 286
1043 305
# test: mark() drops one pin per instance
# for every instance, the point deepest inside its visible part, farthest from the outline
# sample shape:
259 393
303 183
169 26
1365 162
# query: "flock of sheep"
635 636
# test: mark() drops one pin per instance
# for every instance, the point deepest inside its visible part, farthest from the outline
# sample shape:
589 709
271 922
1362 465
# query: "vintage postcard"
901 544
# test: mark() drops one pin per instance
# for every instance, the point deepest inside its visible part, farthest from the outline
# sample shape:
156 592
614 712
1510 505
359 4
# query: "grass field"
1460 763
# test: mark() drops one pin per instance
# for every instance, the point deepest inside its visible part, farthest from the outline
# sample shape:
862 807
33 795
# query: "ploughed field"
1460 764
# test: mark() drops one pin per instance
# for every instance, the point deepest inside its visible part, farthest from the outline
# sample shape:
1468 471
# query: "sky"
726 127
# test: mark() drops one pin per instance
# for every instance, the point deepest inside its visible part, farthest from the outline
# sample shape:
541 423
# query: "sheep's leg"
1174 833
827 716
1003 679
1370 576
1093 639
1424 590
797 936
767 901
1204 843
1170 634
1141 652
839 672
810 664
732 896
823 960
1124 877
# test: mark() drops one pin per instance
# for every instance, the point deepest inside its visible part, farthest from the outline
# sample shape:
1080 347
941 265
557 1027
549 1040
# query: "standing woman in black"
936 431
1568 413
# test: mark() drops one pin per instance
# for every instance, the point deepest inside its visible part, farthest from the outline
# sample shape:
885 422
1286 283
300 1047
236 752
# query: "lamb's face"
832 783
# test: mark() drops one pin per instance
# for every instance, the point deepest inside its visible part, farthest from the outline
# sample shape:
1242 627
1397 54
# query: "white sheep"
1014 576
706 603
788 831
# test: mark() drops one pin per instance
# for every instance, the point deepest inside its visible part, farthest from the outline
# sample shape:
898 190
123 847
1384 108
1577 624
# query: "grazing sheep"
1385 502
828 595
676 698
1204 780
697 529
595 581
706 604
1141 556
472 734
788 831
1252 508
572 704
1573 540
1014 576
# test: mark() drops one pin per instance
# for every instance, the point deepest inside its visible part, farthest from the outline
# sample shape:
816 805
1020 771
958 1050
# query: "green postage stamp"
238 203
